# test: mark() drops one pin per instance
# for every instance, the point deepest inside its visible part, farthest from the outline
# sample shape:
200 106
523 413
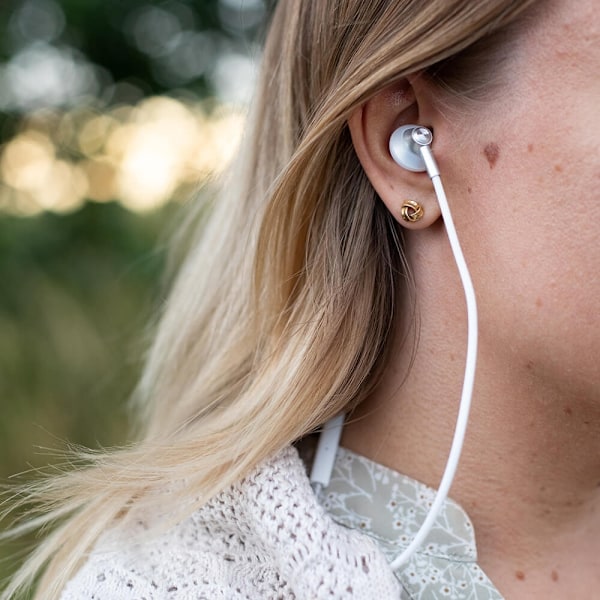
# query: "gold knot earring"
411 211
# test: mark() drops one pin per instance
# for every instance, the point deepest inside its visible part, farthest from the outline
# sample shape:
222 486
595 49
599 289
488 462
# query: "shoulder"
264 537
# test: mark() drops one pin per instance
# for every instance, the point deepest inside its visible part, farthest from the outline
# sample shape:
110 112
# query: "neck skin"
529 475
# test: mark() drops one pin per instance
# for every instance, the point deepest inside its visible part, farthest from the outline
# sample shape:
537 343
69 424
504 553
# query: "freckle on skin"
491 153
529 147
554 575
520 575
539 303
568 410
558 168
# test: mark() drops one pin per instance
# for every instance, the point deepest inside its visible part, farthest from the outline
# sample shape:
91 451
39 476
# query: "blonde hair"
280 316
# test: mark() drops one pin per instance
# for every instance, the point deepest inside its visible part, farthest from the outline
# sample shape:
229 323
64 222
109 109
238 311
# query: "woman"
316 289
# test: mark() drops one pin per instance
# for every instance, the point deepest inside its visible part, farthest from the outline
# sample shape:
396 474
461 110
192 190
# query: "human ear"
371 127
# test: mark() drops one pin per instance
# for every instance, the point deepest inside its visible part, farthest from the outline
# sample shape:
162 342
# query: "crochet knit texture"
266 537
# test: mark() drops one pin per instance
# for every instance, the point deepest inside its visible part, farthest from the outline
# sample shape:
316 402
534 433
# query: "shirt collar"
390 507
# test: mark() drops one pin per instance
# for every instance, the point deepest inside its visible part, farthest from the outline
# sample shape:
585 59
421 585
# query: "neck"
530 472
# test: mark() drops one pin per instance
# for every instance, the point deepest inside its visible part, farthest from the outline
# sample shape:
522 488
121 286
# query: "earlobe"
372 127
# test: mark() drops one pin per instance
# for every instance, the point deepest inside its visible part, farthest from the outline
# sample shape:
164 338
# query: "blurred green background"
113 115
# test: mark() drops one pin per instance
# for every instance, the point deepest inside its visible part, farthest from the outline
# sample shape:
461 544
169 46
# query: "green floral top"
390 507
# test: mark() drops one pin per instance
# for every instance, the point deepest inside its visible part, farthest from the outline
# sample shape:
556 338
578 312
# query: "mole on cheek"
491 153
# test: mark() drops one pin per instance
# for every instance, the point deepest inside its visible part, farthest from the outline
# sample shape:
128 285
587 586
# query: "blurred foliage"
75 80
77 291
127 48
77 288
104 105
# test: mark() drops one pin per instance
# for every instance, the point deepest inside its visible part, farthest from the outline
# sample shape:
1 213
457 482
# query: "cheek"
531 242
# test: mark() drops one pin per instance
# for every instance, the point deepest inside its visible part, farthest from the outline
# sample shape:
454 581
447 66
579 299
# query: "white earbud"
406 150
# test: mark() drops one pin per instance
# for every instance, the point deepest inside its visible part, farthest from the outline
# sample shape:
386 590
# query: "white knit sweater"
267 537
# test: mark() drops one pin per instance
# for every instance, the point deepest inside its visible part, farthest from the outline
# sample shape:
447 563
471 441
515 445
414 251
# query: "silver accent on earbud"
422 136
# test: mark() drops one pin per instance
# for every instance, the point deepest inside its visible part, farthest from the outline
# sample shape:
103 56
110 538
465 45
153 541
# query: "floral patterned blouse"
390 507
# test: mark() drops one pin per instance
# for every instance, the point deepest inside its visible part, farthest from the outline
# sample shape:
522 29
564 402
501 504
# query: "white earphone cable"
325 455
469 378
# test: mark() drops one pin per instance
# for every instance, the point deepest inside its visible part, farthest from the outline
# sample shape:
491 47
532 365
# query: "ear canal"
405 151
